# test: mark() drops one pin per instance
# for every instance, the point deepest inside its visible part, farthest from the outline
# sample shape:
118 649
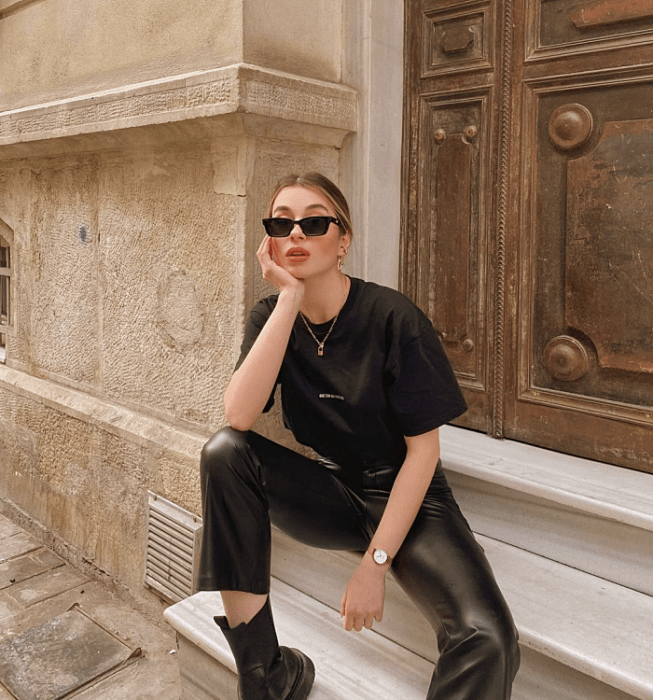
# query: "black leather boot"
267 671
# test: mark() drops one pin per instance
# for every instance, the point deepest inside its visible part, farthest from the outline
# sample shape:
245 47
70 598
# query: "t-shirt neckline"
344 311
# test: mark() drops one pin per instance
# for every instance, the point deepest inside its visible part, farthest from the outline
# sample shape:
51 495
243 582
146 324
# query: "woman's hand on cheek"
362 602
272 271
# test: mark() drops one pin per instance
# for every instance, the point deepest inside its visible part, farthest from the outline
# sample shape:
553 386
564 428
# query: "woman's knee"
221 449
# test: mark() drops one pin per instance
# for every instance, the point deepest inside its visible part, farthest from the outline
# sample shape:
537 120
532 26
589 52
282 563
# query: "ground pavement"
63 634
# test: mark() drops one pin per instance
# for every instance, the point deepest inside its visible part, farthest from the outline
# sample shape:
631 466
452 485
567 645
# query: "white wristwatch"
380 556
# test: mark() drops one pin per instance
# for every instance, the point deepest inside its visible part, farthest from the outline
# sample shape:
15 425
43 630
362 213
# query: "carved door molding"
528 214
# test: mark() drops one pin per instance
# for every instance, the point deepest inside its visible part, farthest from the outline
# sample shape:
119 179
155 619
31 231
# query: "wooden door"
528 234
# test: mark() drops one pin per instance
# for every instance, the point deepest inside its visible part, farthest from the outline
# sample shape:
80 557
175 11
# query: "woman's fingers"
264 249
358 620
272 272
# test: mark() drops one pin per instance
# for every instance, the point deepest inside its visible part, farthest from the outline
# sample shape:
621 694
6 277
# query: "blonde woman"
366 384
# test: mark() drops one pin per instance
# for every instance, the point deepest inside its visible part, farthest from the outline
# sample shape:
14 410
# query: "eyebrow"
312 207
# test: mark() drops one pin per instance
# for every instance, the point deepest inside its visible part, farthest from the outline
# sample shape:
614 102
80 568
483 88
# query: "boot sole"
304 680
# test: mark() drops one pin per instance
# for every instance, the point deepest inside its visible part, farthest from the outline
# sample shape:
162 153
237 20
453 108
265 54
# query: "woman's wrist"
293 296
372 565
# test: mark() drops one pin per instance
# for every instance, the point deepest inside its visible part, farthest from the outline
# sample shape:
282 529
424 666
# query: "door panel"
528 214
592 246
448 196
455 40
609 250
584 342
453 224
561 26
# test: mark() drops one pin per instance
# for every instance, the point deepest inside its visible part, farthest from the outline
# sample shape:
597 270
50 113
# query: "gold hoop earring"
341 259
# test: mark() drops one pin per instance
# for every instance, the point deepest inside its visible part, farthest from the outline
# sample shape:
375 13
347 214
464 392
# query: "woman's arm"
362 602
252 383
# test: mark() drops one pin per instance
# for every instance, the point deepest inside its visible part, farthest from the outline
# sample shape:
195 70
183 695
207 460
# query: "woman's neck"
324 297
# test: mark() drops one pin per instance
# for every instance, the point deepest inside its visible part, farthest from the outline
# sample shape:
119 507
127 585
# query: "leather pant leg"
444 571
247 481
247 478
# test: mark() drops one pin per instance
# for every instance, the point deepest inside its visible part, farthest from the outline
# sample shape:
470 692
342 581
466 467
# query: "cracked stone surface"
42 599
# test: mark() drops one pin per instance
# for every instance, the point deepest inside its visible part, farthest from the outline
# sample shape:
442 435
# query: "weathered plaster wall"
131 270
126 277
302 37
139 143
57 49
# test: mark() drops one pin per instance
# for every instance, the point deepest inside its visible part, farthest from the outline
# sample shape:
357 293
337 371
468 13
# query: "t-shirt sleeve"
422 388
258 317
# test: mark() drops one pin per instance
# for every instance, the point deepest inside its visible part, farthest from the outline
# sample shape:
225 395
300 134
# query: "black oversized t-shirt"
383 376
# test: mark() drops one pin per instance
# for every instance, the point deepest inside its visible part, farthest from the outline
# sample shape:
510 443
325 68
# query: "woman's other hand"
273 272
362 602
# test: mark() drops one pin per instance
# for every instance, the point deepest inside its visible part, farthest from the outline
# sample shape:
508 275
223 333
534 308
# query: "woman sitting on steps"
365 383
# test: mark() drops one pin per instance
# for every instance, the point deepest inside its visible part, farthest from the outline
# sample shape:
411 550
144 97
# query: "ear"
345 242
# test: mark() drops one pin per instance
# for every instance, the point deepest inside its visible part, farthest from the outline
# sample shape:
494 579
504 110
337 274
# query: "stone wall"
138 149
133 269
139 144
58 49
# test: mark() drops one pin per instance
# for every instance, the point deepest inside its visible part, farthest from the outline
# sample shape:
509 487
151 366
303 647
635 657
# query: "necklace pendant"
320 350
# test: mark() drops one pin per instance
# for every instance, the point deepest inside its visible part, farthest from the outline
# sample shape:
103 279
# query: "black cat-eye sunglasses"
311 226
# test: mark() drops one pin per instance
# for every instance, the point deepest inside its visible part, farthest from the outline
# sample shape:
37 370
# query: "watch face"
380 556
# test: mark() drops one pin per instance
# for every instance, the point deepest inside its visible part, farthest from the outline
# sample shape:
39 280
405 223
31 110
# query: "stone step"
581 636
589 515
324 574
348 666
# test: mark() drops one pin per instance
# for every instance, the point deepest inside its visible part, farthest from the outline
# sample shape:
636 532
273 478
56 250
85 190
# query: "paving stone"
7 529
27 566
53 659
28 603
7 608
146 680
47 558
87 595
17 545
46 585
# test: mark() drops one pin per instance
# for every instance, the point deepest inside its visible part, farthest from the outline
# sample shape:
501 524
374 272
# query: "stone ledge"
591 516
564 617
364 666
610 492
112 418
239 88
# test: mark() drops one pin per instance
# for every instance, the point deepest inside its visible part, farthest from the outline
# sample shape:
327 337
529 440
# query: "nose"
297 232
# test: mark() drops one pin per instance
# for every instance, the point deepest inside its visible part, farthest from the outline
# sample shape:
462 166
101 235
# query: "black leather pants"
248 480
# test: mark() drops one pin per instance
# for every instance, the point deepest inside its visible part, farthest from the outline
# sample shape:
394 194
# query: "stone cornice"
239 88
9 7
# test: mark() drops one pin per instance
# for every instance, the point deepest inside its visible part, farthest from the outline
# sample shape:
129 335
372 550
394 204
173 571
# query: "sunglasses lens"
278 228
315 225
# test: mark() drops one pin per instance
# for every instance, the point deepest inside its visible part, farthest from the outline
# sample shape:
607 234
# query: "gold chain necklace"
320 344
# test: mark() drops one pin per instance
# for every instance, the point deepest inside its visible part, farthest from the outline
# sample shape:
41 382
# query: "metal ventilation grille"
173 546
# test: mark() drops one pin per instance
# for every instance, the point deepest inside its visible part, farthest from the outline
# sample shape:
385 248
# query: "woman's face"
303 256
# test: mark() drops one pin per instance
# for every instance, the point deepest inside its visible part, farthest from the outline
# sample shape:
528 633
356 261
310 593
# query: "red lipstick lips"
298 254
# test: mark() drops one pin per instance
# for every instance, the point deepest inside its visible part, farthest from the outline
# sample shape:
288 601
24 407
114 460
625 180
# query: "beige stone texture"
167 281
81 482
302 37
139 144
57 49
135 270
